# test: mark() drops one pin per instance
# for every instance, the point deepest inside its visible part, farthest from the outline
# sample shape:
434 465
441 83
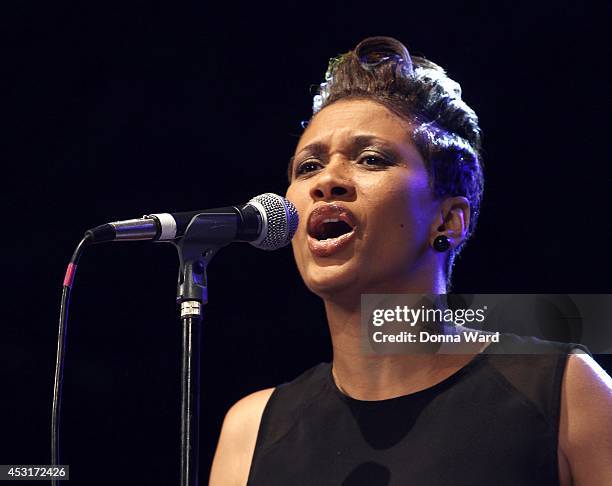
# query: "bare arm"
585 434
234 453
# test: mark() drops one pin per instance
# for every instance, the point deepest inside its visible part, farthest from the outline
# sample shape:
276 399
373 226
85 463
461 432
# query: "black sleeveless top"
495 421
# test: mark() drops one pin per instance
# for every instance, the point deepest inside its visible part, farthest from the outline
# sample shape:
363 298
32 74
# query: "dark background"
114 111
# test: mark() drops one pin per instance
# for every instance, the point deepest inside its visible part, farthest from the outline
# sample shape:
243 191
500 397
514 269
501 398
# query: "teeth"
331 220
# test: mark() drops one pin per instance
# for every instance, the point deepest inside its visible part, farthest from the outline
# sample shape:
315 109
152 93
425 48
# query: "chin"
331 280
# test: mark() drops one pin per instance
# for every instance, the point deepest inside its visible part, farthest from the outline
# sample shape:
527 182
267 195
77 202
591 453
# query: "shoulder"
585 432
242 423
247 411
234 452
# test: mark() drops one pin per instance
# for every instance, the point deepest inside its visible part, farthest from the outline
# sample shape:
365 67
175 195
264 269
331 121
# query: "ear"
453 220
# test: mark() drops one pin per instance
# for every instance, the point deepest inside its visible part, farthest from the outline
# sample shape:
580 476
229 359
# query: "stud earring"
441 243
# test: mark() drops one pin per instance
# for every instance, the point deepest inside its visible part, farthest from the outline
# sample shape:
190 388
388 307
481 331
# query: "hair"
444 128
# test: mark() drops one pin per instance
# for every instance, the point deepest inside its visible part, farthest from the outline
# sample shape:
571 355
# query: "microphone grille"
280 221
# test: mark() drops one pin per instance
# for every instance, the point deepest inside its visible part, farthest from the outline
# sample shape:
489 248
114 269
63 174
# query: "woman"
387 180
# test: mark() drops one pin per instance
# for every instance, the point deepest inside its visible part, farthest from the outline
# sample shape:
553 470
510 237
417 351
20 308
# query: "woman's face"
365 204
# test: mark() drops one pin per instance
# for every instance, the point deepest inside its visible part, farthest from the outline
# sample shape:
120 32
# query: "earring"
441 243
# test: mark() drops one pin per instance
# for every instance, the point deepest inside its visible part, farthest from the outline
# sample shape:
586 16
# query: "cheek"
299 200
402 209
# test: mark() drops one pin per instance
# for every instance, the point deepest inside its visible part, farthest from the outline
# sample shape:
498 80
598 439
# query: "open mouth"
330 228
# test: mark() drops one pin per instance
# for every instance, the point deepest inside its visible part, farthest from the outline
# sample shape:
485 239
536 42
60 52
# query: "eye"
307 166
374 160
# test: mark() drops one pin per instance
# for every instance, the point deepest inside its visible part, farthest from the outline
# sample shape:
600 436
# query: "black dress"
494 422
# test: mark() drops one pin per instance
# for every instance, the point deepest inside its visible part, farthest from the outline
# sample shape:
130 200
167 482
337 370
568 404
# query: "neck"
378 377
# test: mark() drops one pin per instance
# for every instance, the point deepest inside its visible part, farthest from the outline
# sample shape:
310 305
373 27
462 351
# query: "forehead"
342 120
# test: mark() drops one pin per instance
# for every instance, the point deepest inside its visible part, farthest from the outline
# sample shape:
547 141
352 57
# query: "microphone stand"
196 249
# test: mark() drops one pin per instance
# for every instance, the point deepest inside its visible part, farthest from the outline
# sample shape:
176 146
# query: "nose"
332 183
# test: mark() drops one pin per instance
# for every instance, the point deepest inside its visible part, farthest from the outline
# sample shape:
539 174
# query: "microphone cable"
61 351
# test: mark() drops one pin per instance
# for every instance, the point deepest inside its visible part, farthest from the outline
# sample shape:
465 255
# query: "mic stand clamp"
196 249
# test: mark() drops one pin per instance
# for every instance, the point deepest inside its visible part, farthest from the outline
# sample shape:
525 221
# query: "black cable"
61 352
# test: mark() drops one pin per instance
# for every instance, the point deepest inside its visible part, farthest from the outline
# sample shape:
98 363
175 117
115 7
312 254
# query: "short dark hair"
445 128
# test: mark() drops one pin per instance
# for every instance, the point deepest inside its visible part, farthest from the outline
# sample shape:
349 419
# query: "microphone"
267 221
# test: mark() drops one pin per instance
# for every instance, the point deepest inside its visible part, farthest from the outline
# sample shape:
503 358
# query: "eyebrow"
313 149
357 144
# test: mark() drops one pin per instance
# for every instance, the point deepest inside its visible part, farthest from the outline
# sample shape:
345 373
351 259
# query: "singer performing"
387 179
